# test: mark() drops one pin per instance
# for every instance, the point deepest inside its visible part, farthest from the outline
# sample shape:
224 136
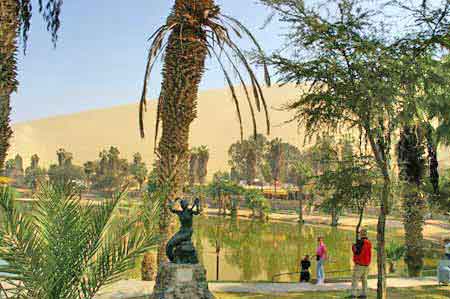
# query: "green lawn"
404 293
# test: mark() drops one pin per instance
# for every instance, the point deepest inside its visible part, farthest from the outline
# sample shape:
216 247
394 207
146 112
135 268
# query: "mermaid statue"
180 249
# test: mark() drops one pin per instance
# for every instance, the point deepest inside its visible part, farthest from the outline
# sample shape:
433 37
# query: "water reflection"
255 251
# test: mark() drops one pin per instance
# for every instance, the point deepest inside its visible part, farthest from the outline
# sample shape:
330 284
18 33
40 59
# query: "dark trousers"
304 276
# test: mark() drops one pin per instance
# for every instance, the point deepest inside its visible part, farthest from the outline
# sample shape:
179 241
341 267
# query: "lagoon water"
255 251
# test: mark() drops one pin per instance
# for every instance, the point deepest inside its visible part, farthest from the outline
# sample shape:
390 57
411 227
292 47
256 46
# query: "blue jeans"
320 270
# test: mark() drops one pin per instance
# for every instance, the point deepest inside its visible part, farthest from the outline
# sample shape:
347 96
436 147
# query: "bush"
68 250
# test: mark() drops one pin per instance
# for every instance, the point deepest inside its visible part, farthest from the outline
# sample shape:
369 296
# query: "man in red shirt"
362 256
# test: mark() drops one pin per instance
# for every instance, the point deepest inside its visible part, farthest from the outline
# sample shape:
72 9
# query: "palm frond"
241 79
66 249
214 33
233 94
255 42
51 12
18 241
156 48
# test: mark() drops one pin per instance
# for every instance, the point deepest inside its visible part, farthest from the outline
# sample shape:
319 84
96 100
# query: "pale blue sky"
100 56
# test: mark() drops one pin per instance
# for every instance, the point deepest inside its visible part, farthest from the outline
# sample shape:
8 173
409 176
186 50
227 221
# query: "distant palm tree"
194 30
68 250
15 20
203 158
275 156
193 166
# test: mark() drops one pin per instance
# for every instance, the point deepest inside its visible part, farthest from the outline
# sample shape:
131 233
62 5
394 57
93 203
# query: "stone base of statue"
181 281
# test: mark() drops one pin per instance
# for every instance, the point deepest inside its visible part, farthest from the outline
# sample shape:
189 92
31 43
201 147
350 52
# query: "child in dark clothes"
304 273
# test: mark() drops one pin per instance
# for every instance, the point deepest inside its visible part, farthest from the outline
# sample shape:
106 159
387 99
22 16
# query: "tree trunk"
381 228
413 219
358 226
148 267
9 29
299 197
433 161
334 217
184 64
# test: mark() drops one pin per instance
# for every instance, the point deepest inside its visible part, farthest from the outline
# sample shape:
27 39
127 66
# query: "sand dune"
85 134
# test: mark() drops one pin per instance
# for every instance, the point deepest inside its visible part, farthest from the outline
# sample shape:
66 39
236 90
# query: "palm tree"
203 158
193 166
275 157
15 18
68 250
410 151
300 173
195 29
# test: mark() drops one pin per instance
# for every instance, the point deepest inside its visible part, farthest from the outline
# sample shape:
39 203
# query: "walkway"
133 289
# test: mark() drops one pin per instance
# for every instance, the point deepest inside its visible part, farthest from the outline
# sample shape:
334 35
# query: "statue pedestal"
181 281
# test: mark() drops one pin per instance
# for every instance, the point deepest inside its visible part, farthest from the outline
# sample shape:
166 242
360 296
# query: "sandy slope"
86 133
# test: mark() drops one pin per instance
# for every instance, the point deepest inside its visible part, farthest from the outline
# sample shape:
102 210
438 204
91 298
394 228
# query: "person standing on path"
321 255
362 256
304 272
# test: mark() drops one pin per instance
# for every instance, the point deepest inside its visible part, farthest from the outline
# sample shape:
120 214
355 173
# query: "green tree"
354 72
14 169
138 169
65 249
259 205
112 171
34 175
15 20
65 171
89 169
222 189
275 158
247 158
300 174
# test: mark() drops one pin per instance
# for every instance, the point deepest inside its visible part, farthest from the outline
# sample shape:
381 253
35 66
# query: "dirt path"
127 289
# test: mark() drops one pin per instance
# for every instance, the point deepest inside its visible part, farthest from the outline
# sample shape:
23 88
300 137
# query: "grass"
409 293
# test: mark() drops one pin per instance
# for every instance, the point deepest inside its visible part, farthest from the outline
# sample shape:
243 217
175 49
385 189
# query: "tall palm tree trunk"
9 29
184 64
411 160
413 220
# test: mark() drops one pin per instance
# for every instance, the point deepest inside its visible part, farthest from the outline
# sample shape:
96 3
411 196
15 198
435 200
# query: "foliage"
300 173
65 249
138 169
347 180
34 175
259 158
275 158
111 171
256 201
246 158
65 171
395 251
198 165
355 73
